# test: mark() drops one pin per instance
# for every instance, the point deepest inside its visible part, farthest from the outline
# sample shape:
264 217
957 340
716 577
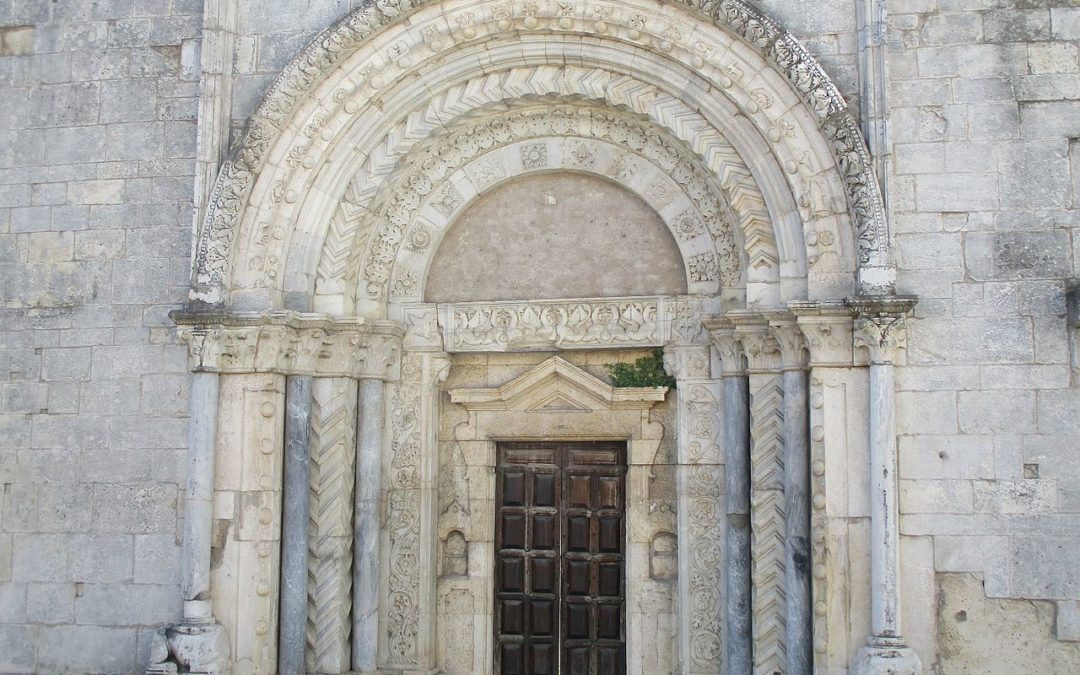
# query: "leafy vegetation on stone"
648 371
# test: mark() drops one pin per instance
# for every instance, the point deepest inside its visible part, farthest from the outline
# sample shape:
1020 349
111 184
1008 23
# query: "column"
365 586
880 329
796 496
738 657
333 474
768 507
294 526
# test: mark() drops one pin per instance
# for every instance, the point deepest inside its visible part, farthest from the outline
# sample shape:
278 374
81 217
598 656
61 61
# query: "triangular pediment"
557 386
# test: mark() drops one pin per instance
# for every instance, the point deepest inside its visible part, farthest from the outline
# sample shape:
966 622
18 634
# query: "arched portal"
352 497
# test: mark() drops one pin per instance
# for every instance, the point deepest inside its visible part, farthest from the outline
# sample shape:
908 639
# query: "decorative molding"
545 325
290 343
402 526
333 46
558 386
333 453
702 540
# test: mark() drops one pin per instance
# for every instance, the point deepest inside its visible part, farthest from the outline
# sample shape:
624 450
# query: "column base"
192 646
887 656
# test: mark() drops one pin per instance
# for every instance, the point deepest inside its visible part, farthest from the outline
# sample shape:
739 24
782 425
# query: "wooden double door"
559 567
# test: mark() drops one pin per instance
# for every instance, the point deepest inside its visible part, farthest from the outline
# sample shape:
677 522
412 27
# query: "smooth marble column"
739 659
294 526
365 589
199 495
885 651
884 514
797 525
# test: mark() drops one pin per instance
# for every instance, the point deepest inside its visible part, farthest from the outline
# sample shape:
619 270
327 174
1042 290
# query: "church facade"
546 336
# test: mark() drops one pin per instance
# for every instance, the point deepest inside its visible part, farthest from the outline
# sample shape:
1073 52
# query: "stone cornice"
290 343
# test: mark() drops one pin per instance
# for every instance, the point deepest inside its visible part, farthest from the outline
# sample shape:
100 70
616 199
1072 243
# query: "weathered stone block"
50 603
997 411
956 192
18 647
87 649
948 29
1011 255
40 557
136 509
937 457
975 340
1042 566
1017 25
62 507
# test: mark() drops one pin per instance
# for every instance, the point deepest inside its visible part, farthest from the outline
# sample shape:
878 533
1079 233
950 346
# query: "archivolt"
522 138
311 113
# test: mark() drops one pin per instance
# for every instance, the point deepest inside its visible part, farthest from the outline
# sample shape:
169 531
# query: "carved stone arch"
346 69
441 176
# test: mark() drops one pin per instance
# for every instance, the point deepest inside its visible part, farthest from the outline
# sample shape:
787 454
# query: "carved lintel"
727 347
546 325
827 328
290 343
881 326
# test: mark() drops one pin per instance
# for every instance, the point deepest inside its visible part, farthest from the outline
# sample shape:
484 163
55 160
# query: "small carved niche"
455 558
663 557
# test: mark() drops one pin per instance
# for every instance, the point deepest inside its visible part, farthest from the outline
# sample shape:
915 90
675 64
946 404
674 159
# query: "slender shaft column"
199 495
365 588
884 529
796 498
739 654
882 333
294 526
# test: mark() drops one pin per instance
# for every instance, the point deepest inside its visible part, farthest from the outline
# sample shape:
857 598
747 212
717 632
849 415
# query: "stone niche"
539 237
491 397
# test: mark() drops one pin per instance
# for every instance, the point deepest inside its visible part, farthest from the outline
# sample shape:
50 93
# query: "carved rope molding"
335 44
290 343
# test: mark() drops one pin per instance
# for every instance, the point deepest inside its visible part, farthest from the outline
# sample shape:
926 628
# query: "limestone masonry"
307 310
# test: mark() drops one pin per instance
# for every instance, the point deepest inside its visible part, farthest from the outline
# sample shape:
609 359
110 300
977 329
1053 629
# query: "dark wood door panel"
560 528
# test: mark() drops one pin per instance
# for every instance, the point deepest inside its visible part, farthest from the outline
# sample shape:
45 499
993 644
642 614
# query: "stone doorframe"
272 522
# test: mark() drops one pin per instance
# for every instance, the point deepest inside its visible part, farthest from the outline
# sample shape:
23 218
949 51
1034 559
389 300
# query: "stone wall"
984 197
97 136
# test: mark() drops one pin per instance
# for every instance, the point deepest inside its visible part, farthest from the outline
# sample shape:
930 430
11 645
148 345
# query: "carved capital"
789 338
827 328
762 350
687 363
881 326
290 343
727 347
